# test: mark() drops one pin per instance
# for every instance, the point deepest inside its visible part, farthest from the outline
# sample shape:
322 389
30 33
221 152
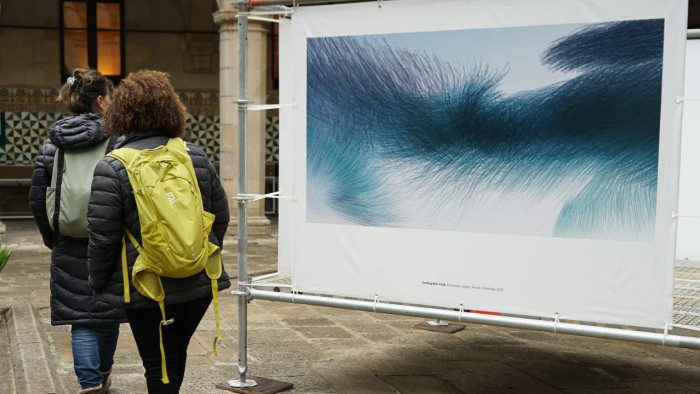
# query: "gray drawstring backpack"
69 194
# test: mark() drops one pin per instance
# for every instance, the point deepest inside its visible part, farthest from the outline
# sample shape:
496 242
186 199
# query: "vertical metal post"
243 278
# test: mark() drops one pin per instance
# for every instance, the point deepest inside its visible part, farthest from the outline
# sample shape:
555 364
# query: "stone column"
225 18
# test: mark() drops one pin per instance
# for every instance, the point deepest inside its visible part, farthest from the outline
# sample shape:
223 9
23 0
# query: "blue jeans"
93 351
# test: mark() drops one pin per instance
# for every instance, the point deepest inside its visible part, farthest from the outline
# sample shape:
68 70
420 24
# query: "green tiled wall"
272 132
27 114
205 134
24 132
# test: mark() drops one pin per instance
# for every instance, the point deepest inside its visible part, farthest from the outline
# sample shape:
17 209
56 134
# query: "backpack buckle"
169 322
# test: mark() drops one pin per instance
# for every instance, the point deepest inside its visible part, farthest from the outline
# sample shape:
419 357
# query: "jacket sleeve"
219 205
105 223
41 179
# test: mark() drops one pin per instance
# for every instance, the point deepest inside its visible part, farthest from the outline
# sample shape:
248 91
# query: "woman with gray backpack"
59 198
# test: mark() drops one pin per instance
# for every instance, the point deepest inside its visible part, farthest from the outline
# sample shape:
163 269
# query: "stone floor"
325 350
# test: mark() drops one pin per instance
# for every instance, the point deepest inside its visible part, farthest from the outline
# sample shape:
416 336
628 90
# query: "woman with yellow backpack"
157 218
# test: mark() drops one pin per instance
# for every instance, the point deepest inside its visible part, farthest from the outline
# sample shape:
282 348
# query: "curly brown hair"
145 101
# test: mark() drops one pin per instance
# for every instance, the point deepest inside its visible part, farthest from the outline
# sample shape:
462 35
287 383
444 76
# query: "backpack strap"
125 267
213 270
161 302
133 240
218 339
125 273
110 144
164 322
56 181
124 156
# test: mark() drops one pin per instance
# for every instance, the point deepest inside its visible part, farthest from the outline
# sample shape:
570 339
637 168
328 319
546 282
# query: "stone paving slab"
7 382
33 368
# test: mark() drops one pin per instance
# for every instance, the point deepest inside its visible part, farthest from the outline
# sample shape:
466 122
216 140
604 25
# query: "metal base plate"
448 329
265 386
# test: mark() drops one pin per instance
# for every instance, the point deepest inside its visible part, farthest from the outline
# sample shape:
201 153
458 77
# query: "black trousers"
176 337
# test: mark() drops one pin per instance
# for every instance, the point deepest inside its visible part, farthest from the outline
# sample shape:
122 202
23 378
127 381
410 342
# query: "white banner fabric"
511 156
688 246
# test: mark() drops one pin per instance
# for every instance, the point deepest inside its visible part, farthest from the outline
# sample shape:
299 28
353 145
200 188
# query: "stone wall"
175 36
29 57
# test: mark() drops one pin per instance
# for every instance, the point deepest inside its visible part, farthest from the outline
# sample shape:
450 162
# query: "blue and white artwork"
538 131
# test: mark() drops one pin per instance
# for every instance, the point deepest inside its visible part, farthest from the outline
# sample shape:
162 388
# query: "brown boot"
93 390
106 379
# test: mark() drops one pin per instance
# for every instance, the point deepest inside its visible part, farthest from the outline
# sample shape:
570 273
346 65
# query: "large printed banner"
512 156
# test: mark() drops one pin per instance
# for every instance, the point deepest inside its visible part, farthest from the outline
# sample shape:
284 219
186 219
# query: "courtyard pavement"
326 350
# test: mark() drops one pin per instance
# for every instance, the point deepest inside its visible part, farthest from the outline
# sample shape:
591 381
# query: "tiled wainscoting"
26 115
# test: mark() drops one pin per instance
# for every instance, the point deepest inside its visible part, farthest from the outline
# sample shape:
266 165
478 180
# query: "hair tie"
73 82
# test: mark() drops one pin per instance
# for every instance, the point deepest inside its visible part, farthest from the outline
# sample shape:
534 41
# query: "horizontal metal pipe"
693 33
494 320
10 216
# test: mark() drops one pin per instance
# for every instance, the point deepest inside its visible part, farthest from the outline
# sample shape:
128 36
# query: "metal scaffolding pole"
243 278
243 198
493 320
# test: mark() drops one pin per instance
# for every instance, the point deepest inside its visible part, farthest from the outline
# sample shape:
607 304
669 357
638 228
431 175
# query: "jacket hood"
78 132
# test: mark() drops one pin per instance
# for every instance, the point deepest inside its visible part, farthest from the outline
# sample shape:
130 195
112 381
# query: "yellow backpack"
174 226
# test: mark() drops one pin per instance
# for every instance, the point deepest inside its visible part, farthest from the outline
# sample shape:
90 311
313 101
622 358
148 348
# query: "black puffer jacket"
112 207
72 300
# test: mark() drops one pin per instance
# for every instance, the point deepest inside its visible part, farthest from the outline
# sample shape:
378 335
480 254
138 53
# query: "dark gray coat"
113 207
72 300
